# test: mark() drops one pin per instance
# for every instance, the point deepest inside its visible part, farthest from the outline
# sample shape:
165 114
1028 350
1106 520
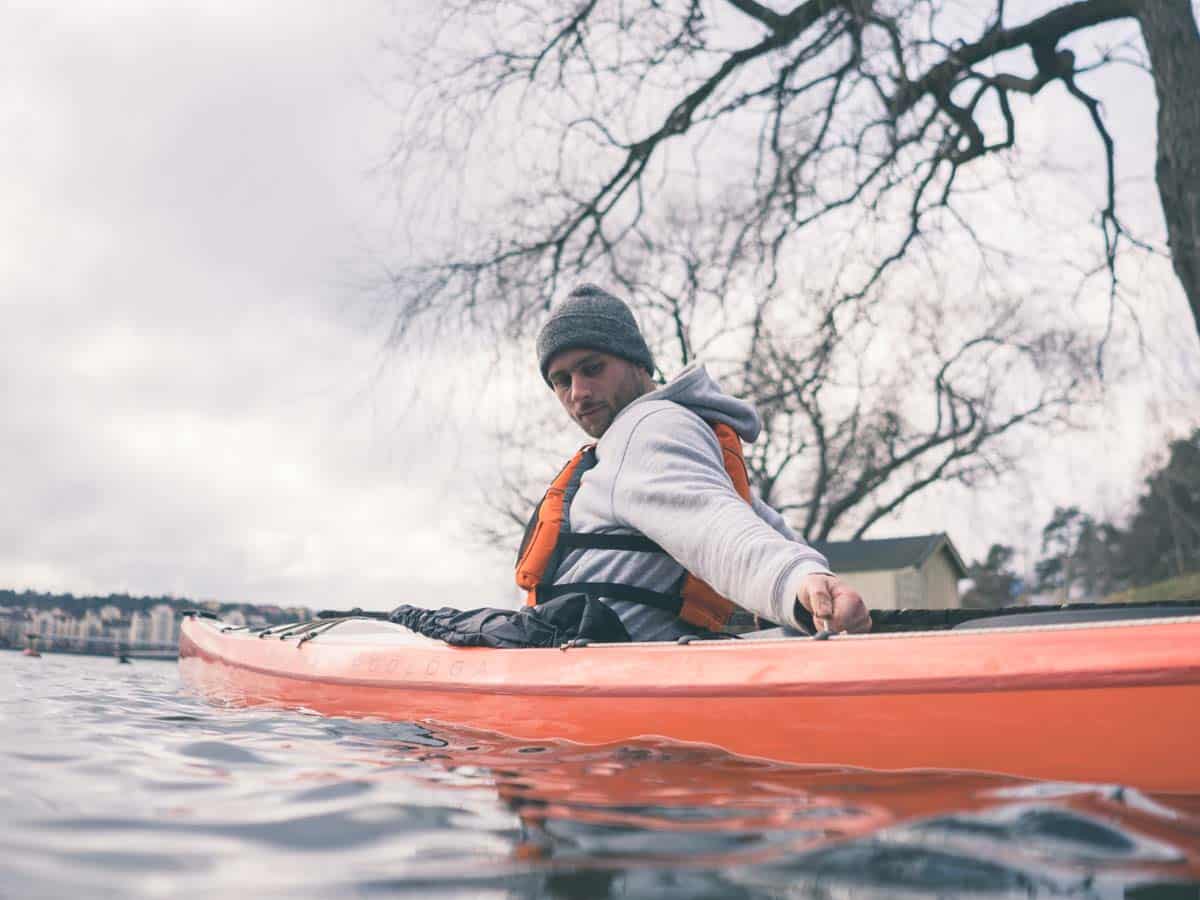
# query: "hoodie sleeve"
772 518
672 487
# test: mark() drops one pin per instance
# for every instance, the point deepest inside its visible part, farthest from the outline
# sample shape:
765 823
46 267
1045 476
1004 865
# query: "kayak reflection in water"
607 820
651 532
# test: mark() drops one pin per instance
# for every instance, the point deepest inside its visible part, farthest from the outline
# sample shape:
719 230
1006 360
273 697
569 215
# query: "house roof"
888 553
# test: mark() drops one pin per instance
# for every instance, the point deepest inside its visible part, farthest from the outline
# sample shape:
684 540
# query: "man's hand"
835 606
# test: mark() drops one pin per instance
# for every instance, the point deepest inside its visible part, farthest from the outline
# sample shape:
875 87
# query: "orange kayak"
1114 701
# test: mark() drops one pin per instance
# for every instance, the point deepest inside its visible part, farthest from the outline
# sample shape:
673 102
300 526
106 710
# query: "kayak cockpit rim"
375 630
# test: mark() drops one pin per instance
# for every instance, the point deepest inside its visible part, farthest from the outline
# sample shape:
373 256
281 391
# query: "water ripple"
121 785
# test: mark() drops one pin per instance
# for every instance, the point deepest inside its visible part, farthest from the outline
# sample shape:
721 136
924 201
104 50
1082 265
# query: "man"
656 501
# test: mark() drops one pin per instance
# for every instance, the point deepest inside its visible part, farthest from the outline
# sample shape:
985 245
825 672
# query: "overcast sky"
193 398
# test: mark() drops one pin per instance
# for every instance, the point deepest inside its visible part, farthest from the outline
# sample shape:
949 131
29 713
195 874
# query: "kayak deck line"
286 633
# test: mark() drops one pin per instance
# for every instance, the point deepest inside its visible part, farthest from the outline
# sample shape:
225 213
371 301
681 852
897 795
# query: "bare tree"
879 107
859 415
780 191
847 442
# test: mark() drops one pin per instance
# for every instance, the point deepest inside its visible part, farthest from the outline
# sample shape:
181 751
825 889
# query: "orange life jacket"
548 539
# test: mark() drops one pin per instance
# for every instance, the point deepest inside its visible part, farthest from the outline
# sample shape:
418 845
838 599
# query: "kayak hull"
1109 703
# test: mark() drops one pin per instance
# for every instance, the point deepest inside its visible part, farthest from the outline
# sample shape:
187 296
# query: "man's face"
594 386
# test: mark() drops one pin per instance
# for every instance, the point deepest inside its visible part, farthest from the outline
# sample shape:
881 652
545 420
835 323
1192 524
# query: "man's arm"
832 604
772 517
672 486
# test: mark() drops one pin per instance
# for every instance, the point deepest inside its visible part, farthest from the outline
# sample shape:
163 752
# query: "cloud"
188 405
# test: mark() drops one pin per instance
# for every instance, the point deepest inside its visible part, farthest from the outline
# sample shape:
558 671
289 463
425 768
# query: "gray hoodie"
659 473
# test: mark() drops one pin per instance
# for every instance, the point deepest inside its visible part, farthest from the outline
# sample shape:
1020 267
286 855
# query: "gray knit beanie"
593 318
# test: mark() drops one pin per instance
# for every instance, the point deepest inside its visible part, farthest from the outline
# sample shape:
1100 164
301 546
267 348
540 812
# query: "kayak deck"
1108 702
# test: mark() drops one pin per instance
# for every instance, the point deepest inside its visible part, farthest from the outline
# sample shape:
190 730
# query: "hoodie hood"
695 389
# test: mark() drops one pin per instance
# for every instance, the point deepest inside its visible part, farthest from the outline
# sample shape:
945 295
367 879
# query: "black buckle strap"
592 541
671 603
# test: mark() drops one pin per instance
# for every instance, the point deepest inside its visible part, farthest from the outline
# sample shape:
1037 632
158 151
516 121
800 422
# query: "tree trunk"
1169 29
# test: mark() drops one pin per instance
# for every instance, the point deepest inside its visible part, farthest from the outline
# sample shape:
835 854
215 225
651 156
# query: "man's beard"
604 414
597 420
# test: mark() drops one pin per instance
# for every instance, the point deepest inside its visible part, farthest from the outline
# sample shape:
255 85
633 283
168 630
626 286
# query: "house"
897 573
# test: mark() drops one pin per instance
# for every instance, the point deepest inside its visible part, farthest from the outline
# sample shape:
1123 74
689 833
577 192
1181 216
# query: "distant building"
50 623
164 626
139 628
115 621
897 573
13 625
90 626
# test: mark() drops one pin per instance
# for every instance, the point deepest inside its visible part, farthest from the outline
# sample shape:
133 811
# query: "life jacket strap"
613 591
548 539
591 541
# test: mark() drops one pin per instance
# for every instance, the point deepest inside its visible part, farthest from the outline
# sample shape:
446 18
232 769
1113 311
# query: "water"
118 783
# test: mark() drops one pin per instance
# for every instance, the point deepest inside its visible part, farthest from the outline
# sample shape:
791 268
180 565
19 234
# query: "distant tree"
1163 537
1082 557
1097 559
1057 571
1087 559
994 583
